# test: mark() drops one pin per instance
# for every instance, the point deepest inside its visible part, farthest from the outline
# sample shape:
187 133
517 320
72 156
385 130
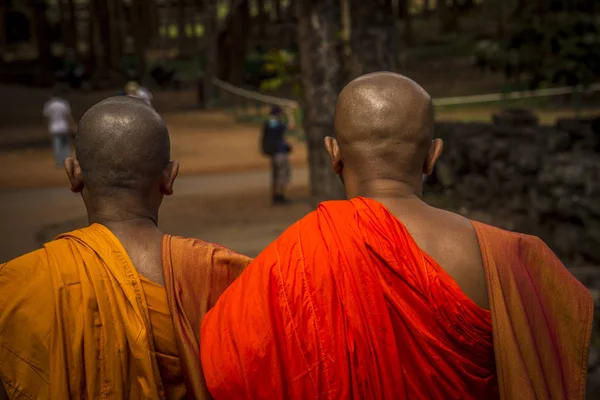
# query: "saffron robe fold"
74 322
165 343
345 305
196 274
342 305
541 314
76 319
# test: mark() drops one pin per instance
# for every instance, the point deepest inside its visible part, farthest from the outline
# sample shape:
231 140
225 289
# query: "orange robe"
344 304
77 321
542 318
196 274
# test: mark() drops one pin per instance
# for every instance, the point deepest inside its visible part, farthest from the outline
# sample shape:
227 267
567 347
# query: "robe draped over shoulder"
344 304
74 322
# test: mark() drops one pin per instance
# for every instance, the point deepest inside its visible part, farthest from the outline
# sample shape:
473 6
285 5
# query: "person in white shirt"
60 124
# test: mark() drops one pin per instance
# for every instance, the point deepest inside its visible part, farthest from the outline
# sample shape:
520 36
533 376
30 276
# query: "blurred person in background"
134 89
277 148
60 124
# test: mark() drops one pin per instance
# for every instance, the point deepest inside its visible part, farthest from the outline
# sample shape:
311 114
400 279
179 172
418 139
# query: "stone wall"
541 180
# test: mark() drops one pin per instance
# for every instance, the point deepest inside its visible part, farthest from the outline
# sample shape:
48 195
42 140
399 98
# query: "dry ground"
202 142
221 196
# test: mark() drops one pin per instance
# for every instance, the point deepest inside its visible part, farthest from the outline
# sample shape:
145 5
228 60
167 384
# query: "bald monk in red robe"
112 310
385 297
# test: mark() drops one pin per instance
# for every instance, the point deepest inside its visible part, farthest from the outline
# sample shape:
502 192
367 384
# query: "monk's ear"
435 151
74 174
170 173
333 149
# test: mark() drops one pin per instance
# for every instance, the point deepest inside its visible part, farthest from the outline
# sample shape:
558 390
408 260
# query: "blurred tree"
404 14
105 25
448 15
91 37
542 46
467 4
261 18
426 9
276 9
211 53
233 42
183 20
67 21
115 12
42 37
141 34
372 36
319 45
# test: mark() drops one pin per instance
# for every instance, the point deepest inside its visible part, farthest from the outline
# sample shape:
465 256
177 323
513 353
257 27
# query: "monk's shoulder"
181 252
508 240
458 235
25 264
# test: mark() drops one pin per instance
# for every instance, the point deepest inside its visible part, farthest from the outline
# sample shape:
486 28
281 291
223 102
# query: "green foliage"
283 67
554 48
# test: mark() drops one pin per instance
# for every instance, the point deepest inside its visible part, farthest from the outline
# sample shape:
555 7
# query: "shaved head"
122 145
384 126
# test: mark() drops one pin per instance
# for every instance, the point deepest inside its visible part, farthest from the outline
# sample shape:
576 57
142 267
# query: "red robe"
344 304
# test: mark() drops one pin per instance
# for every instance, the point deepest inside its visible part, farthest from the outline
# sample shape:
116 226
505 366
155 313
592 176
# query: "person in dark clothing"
275 146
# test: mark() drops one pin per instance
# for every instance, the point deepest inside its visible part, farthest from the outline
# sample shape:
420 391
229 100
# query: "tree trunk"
91 38
3 9
405 15
262 19
292 10
426 10
106 26
41 28
318 26
67 30
239 36
73 23
372 37
447 16
276 4
141 36
211 52
116 38
233 43
468 4
182 20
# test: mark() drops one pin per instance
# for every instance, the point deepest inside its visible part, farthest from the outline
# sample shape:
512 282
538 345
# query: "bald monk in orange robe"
109 311
385 297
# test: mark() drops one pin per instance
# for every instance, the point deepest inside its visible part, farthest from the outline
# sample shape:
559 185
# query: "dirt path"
222 194
202 142
231 209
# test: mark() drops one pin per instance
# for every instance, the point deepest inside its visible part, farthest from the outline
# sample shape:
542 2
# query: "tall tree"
318 27
277 10
41 28
115 12
91 38
372 36
234 39
262 18
426 9
211 51
67 24
73 22
105 24
447 14
404 13
182 22
141 34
